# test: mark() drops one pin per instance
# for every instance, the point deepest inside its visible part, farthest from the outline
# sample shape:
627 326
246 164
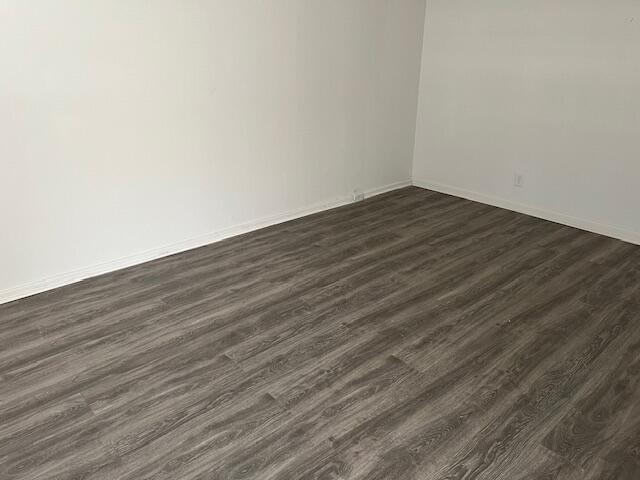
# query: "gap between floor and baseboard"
590 226
68 278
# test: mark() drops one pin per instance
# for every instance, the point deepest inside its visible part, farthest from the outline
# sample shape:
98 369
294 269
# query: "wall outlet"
518 180
358 195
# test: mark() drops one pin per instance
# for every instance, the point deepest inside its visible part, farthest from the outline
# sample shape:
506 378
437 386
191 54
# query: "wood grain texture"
411 336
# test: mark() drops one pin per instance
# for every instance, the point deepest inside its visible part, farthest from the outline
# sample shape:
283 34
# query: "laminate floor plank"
61 440
505 438
412 336
427 424
318 419
599 414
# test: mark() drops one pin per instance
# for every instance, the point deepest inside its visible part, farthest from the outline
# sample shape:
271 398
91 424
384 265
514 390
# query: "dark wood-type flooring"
411 336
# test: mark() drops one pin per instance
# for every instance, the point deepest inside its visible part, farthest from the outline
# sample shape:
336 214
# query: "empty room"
320 239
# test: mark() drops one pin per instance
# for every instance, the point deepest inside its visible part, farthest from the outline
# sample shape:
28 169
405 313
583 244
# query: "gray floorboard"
411 336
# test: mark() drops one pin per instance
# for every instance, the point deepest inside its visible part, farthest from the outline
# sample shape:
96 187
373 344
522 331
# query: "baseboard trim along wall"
68 278
582 224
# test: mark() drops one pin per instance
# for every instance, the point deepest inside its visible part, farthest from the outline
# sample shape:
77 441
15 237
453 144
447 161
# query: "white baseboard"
68 278
582 224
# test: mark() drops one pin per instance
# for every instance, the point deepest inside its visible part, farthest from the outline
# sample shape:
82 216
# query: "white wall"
546 88
127 126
